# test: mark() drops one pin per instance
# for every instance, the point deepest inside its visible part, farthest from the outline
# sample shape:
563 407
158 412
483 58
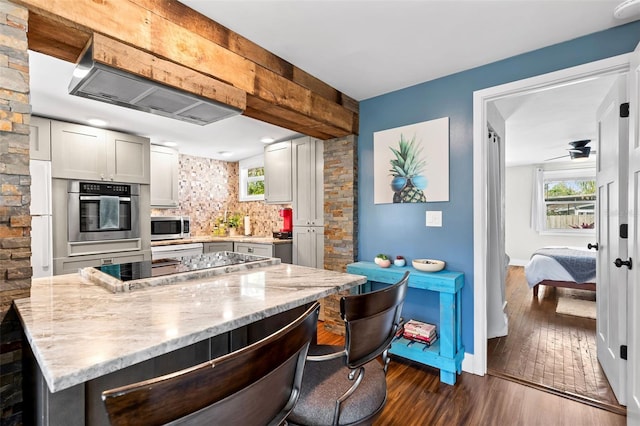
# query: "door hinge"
624 230
624 110
623 351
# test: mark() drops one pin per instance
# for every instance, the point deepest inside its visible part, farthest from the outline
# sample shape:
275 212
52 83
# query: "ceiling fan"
579 151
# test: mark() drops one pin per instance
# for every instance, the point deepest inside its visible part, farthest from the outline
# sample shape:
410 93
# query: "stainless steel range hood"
98 81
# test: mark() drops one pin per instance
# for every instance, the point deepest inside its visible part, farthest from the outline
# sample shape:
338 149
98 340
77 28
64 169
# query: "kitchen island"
85 339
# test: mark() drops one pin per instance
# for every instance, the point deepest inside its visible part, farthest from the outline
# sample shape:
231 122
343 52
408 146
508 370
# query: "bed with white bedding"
569 267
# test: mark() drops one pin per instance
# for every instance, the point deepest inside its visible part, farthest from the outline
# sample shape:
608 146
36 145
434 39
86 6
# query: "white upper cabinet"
40 139
278 173
308 182
131 158
78 152
164 177
84 152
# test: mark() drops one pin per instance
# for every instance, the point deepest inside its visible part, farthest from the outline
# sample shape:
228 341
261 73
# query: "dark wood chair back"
371 321
256 385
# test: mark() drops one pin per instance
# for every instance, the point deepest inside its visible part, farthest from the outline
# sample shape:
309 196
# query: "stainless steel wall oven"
100 211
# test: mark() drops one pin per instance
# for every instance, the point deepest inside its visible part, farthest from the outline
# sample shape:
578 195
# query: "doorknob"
592 246
620 263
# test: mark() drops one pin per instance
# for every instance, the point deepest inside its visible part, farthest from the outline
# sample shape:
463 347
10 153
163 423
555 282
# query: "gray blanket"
581 265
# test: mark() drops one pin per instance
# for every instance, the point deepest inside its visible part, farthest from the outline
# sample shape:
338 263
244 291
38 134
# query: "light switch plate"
434 218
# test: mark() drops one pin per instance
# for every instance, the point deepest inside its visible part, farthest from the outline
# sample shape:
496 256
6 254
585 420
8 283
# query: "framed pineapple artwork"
411 163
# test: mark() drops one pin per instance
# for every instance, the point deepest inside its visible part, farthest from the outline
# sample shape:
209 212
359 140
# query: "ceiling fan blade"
580 144
556 158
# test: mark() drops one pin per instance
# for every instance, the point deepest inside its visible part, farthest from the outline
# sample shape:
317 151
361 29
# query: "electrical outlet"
434 218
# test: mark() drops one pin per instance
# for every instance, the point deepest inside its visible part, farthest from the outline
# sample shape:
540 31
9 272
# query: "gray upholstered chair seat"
325 381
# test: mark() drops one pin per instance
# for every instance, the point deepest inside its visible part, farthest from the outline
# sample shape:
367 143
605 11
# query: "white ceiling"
539 126
363 48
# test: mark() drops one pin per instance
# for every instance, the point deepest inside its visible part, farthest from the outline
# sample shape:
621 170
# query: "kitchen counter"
215 239
78 331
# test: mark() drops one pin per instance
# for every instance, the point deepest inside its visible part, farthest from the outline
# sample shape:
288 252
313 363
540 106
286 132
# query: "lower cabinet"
70 265
282 250
217 246
308 246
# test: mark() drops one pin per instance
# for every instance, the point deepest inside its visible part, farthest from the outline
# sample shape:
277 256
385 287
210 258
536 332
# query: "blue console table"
447 352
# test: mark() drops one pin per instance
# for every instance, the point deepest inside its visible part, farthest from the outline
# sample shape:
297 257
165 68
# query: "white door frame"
477 363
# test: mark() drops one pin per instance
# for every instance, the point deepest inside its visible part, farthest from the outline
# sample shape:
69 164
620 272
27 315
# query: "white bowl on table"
428 265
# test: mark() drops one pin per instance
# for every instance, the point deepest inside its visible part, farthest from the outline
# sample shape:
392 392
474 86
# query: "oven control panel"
105 188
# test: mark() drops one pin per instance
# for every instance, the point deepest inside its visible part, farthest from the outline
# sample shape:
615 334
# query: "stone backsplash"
208 188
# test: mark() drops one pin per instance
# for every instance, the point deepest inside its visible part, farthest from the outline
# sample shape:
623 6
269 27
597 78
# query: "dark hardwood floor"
549 349
416 397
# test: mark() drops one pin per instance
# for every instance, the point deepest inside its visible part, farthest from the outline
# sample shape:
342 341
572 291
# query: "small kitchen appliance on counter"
286 232
170 227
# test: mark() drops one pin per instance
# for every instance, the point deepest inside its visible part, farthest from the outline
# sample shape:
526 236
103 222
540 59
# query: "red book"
419 338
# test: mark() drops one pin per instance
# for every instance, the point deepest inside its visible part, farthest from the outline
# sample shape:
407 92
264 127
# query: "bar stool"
347 385
256 385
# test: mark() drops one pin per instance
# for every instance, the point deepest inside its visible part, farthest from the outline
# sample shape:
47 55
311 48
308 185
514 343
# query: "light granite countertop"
214 239
79 331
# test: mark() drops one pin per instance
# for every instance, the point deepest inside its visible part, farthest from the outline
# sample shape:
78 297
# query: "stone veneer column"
15 220
340 216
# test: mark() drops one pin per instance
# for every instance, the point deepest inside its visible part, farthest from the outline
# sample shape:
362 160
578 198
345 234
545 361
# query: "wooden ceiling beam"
221 35
117 55
55 39
169 30
274 114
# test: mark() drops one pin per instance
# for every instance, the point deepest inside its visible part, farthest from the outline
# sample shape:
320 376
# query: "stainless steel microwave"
170 227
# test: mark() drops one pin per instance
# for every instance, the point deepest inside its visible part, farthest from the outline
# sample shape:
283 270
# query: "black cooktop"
156 268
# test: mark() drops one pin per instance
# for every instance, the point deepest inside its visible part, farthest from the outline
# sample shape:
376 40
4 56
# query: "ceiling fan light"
627 9
580 155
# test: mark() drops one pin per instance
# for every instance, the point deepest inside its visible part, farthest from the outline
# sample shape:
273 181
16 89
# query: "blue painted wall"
399 229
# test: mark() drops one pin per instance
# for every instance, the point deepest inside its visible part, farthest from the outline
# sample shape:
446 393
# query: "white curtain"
537 214
497 321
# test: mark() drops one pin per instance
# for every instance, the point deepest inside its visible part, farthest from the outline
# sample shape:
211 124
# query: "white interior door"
633 336
611 211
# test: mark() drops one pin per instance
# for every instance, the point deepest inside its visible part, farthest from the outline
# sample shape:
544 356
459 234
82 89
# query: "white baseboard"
469 365
518 262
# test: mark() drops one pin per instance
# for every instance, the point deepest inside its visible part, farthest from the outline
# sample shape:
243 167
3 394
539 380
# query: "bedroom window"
252 179
569 201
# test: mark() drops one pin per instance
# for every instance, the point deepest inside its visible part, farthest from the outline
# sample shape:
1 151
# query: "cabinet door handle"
592 246
107 261
249 249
